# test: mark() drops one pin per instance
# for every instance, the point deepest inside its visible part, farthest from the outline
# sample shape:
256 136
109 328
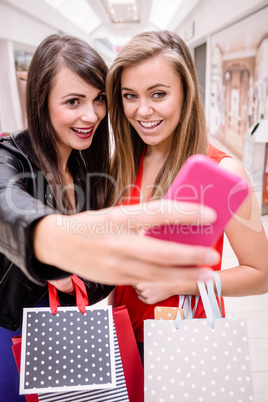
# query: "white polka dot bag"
71 353
198 360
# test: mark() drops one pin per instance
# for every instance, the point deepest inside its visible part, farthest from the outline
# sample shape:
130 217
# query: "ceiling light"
124 2
123 10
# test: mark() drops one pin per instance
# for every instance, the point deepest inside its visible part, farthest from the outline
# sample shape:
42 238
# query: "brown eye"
100 98
72 102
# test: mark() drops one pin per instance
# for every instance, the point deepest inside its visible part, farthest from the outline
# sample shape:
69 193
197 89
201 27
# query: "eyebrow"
73 94
148 89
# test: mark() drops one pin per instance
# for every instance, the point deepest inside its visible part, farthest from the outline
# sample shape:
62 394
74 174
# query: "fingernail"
205 274
212 258
210 214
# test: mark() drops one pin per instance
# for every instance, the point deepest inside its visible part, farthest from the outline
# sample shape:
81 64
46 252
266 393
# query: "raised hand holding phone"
203 181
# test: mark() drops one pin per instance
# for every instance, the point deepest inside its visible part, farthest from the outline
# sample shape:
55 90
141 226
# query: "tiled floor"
255 310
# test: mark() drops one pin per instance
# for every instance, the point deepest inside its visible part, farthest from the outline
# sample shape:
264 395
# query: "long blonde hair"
190 136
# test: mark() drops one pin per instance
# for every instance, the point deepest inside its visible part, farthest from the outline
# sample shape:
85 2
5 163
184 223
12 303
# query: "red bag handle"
80 292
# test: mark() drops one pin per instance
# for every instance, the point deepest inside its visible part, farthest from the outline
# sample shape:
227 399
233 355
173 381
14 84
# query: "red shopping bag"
132 365
16 348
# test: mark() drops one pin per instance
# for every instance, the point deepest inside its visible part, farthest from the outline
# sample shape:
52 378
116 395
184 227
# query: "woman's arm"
19 211
105 246
249 241
101 246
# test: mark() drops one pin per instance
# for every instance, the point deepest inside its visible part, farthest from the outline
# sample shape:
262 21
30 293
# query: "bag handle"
208 297
80 293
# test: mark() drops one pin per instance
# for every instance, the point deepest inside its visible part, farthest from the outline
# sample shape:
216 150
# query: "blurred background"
229 43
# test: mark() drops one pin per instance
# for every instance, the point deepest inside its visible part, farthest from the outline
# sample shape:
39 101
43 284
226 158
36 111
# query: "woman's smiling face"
76 109
152 97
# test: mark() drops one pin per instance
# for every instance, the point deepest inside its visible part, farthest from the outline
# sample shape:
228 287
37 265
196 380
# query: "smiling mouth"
82 130
150 124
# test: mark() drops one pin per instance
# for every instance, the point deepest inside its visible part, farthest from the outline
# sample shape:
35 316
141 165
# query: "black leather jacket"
25 198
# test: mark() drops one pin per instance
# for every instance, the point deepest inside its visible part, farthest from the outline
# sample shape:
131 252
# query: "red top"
126 295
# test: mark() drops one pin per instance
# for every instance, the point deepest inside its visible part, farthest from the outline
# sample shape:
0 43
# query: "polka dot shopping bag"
200 360
73 353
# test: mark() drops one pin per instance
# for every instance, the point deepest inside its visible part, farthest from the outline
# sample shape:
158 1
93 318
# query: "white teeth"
150 124
81 130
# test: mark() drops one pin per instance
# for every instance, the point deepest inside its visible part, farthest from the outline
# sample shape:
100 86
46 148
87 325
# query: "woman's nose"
145 108
89 114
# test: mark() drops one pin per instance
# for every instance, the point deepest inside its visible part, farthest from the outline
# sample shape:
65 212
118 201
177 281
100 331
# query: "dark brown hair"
54 52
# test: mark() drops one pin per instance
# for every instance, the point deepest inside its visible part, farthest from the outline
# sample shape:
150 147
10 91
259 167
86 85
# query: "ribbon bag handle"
80 293
208 296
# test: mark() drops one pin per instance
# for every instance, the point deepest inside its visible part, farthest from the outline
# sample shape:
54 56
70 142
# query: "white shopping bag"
203 360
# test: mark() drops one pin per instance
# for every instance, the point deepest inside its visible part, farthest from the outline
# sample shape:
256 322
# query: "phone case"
203 181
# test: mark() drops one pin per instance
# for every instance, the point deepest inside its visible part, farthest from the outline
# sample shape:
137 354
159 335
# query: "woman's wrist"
47 239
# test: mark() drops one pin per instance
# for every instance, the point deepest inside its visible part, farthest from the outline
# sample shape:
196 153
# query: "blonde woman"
158 122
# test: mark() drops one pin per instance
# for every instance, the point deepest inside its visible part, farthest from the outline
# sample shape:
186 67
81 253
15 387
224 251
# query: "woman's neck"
156 154
153 161
63 157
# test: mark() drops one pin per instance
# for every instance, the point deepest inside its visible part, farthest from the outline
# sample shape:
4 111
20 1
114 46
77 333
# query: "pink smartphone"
203 181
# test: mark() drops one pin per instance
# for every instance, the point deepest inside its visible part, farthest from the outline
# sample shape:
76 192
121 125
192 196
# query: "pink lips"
83 133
